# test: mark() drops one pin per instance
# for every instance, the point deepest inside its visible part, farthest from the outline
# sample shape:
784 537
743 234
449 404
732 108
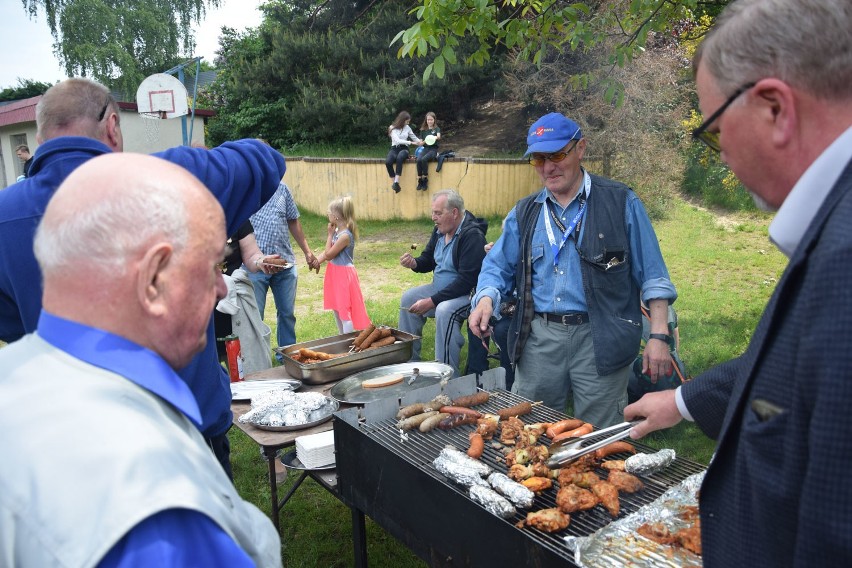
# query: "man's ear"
113 138
152 278
581 148
777 105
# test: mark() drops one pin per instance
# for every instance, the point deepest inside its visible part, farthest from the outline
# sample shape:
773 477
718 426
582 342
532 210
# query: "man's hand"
659 410
420 307
408 261
313 263
479 319
656 360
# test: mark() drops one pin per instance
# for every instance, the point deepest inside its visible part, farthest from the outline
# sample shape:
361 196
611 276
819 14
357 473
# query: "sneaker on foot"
419 184
425 183
396 187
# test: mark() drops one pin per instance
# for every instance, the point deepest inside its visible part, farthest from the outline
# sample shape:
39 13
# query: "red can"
235 358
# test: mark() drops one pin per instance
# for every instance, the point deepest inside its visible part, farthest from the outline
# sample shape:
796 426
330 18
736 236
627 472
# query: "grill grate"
420 449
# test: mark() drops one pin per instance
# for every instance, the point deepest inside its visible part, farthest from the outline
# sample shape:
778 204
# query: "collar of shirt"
116 354
546 193
809 193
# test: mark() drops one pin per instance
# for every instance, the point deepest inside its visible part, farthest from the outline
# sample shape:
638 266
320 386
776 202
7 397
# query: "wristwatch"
660 336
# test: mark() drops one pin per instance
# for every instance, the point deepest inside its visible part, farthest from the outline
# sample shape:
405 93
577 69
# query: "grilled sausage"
376 334
411 410
383 342
586 428
563 426
614 448
472 400
455 420
477 445
415 421
363 335
461 410
517 410
429 424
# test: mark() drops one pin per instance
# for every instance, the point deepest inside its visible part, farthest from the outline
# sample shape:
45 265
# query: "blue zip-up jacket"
242 175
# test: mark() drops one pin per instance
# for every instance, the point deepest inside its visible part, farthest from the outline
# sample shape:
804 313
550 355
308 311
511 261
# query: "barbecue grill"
390 478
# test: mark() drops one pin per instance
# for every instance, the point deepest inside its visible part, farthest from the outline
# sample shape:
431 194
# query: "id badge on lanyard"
557 244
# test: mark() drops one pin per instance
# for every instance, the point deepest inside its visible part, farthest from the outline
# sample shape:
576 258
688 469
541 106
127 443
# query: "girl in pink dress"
341 288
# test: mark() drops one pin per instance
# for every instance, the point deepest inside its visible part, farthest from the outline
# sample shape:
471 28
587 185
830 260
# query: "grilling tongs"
570 449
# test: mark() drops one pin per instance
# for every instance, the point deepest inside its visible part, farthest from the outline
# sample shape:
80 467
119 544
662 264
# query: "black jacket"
468 252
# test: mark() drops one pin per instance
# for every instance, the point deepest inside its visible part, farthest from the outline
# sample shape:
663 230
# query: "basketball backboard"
162 95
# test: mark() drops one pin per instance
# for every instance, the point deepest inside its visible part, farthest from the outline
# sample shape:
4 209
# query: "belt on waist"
566 319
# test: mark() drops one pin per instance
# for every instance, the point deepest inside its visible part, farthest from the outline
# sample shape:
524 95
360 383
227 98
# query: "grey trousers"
558 359
448 315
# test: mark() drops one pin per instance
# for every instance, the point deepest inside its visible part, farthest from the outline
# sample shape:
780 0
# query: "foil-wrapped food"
281 407
457 456
493 502
458 473
519 495
646 464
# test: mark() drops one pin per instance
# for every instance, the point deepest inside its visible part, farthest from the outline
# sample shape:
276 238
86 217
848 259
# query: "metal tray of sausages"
339 367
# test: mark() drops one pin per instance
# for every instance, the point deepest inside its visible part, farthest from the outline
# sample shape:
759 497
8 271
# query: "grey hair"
112 230
454 200
73 107
805 43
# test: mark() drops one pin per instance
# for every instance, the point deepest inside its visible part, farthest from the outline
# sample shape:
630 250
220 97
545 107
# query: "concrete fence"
490 187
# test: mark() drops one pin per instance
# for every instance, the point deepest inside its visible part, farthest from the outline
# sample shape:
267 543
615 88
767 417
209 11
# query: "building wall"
489 187
10 165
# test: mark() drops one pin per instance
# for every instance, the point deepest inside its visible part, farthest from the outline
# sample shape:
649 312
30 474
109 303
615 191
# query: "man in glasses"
580 253
77 120
774 78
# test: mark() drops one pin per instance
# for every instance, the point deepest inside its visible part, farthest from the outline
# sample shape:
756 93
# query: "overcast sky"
27 51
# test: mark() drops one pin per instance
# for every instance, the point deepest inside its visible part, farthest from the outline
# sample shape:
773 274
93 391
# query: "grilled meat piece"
520 472
690 538
548 520
617 465
487 426
518 456
608 495
658 532
624 481
571 498
537 484
541 470
689 513
510 430
584 479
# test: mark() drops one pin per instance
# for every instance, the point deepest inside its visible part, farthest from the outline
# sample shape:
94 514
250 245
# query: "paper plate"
430 140
244 390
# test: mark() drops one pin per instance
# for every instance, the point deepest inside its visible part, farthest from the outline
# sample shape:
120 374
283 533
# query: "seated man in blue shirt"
579 252
119 316
454 256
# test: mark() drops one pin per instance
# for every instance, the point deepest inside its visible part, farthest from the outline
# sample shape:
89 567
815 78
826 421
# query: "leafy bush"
708 178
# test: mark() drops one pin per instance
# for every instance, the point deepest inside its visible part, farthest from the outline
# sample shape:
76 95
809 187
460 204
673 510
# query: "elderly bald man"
96 390
77 120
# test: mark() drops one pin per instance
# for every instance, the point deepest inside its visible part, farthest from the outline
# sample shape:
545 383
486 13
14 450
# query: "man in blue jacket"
774 82
579 253
77 120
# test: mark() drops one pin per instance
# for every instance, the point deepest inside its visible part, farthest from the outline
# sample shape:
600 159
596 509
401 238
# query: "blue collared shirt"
445 272
561 291
175 537
271 229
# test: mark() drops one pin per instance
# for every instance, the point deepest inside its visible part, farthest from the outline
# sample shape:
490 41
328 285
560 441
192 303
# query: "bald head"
79 107
129 243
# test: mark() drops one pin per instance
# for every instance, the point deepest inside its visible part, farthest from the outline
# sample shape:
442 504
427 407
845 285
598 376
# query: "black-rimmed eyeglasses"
539 159
712 138
103 111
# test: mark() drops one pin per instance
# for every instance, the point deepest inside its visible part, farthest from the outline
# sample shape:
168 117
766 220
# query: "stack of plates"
316 450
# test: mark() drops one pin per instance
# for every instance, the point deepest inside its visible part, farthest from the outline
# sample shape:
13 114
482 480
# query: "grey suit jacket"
777 492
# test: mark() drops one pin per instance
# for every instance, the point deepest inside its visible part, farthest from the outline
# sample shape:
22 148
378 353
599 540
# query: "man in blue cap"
580 253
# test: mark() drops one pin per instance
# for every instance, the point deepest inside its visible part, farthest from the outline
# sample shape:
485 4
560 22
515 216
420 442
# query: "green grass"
724 267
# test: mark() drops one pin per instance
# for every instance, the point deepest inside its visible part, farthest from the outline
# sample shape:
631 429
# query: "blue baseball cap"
551 132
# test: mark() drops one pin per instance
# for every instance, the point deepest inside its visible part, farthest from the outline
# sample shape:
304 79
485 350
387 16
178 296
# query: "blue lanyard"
556 246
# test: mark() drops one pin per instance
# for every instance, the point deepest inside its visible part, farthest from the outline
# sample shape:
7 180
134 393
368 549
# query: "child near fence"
341 288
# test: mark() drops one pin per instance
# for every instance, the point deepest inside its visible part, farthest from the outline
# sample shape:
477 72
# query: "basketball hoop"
159 97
